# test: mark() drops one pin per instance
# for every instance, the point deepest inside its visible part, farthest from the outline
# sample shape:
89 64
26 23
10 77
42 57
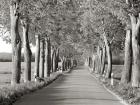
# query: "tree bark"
126 74
51 58
16 43
93 63
100 60
54 61
103 60
47 58
71 62
96 63
42 59
135 22
63 64
27 50
109 57
57 58
37 55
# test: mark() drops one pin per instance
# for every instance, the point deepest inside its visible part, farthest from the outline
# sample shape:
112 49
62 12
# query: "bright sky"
4 47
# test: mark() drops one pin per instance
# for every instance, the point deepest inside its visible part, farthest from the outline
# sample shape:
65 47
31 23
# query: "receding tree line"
46 56
81 24
131 71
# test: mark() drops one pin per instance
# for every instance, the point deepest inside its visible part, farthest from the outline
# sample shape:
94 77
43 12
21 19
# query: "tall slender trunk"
66 64
126 74
41 73
109 57
93 64
71 62
27 50
103 60
16 43
63 63
47 58
51 58
90 62
109 60
100 60
57 58
96 63
135 22
37 55
54 61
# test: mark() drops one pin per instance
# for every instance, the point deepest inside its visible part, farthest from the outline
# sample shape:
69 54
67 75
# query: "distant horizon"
7 48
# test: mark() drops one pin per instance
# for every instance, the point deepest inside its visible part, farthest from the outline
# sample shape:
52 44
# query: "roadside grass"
125 91
9 94
5 72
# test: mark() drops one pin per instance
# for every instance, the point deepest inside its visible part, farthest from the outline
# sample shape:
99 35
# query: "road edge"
111 92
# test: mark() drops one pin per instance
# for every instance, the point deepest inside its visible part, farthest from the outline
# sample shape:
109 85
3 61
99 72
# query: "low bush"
10 94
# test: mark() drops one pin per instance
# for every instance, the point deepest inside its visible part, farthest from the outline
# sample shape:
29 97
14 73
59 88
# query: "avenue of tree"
91 30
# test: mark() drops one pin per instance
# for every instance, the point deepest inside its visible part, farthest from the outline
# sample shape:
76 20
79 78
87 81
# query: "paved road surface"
75 88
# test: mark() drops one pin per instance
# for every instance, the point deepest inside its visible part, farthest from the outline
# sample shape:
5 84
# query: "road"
75 88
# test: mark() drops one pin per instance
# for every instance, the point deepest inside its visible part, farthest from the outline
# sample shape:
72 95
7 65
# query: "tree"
126 73
27 50
103 60
57 58
136 50
54 61
37 55
16 42
42 58
47 58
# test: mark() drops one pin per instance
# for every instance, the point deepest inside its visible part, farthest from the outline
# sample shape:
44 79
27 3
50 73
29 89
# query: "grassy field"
5 72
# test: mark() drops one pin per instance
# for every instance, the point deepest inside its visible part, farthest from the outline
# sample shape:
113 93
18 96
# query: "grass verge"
9 94
126 92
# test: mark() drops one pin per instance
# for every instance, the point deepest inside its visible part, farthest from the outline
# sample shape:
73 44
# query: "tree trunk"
51 58
54 61
37 55
93 63
109 57
90 62
136 50
42 59
57 58
103 60
96 63
47 58
71 62
68 62
100 60
63 64
109 60
16 43
27 50
126 74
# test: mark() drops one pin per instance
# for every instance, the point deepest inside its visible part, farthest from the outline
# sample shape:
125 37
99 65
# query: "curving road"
75 88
